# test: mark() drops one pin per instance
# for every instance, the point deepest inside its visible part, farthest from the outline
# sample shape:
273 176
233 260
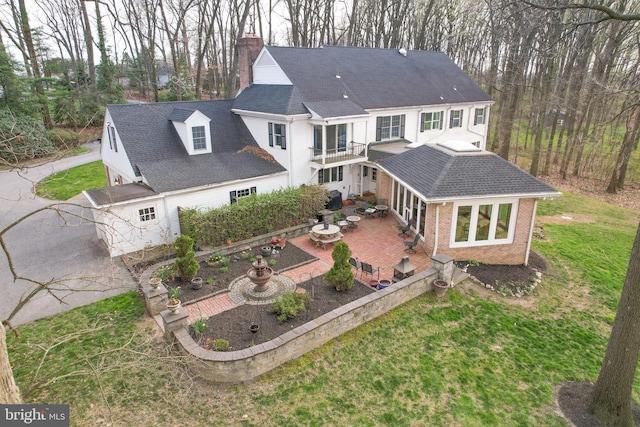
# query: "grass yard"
64 185
470 359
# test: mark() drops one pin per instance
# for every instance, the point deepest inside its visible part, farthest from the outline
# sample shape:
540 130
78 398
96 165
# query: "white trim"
271 116
495 202
533 220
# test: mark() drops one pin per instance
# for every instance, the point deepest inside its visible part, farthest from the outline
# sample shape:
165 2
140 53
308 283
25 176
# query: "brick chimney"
248 49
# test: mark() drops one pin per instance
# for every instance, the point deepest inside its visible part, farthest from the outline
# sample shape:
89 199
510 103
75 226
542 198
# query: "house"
408 126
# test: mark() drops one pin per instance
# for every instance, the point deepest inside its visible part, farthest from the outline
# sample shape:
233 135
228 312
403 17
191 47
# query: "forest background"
565 77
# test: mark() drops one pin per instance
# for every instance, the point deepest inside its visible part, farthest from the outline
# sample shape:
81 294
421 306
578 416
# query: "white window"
483 223
374 174
147 214
480 116
455 119
278 135
330 175
112 139
236 196
390 127
199 138
431 121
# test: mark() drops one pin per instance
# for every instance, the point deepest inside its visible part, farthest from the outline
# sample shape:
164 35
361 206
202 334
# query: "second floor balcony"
351 151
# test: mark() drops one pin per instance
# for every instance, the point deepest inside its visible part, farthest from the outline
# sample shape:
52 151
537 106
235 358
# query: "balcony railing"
353 151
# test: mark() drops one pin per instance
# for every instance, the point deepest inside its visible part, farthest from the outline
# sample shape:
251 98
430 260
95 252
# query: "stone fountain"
260 286
260 274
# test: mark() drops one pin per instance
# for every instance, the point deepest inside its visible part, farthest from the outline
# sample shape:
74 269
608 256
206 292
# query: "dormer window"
199 138
193 128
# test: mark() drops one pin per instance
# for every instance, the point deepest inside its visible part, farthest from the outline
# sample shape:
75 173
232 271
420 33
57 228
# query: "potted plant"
440 287
155 282
173 303
383 284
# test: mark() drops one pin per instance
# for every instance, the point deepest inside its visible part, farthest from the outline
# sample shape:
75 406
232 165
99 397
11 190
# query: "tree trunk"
37 83
628 143
610 401
9 393
88 39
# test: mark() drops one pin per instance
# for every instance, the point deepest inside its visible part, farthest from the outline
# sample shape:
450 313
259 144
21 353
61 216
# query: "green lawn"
66 184
470 359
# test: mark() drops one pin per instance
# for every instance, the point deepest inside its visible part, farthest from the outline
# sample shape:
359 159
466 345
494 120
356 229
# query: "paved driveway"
50 245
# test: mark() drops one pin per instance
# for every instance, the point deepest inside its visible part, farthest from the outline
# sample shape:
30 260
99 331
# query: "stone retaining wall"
247 364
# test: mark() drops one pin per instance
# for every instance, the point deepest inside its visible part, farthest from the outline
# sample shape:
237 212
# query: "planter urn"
173 305
196 282
440 288
155 282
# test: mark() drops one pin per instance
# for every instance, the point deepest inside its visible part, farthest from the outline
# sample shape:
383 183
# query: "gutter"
533 220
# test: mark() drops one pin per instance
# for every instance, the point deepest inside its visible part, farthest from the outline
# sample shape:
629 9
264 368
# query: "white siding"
123 232
266 71
116 162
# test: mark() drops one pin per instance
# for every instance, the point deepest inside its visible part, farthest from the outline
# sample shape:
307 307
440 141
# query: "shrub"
340 275
199 326
174 293
22 137
186 264
63 138
221 345
290 305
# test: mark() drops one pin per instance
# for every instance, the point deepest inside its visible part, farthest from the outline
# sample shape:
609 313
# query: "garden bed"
216 279
233 325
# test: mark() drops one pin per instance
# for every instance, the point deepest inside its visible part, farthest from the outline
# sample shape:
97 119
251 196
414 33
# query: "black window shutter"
450 119
402 117
252 190
270 134
232 196
283 129
461 112
422 118
441 119
378 128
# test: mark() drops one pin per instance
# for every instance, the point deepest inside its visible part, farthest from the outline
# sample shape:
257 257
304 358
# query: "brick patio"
375 241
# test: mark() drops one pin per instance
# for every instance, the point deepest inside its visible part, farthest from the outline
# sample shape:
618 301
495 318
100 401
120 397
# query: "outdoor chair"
355 263
404 229
411 244
366 268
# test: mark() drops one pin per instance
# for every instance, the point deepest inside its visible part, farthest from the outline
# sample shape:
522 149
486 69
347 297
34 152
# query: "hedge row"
253 216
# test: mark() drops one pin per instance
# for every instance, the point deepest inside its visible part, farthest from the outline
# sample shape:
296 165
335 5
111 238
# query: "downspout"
435 235
533 220
290 149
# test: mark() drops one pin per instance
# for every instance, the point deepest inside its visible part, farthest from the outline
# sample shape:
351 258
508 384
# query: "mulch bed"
288 257
508 276
233 325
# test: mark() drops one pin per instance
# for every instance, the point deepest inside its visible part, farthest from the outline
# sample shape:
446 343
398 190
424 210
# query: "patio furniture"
367 268
321 235
405 228
382 210
355 263
353 221
369 212
411 244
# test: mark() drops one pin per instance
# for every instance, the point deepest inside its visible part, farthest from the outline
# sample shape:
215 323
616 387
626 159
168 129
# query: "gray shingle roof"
274 99
376 78
118 193
440 175
153 146
333 109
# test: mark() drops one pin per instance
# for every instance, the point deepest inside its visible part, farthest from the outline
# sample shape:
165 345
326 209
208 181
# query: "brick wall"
512 254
